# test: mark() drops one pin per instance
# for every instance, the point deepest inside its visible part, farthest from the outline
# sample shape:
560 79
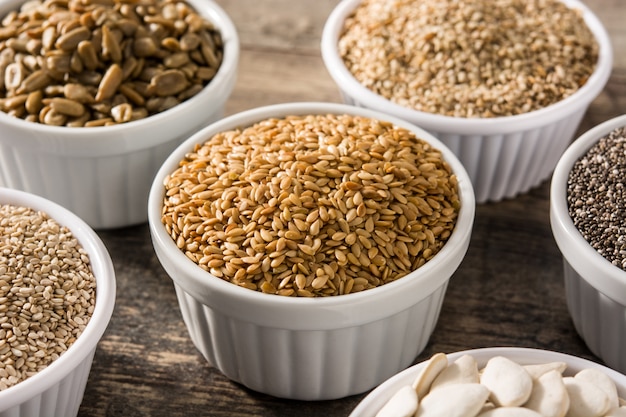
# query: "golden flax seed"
312 206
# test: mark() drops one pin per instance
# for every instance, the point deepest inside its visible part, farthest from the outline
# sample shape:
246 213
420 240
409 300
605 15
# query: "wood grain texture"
507 292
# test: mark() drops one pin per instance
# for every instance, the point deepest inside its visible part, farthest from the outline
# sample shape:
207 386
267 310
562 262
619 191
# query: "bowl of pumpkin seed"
95 94
504 85
499 382
57 295
311 244
588 220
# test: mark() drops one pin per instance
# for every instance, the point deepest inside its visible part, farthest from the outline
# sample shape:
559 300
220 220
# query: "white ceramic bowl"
58 389
374 401
103 174
595 289
504 156
309 349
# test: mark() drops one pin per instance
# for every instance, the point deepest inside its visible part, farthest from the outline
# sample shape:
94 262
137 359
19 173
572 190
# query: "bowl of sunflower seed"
95 94
504 85
311 244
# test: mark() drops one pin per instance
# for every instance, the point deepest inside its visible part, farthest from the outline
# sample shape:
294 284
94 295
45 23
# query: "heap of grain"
312 205
471 58
47 292
97 63
596 196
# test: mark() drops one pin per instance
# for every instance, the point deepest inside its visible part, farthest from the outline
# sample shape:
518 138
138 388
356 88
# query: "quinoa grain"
273 207
472 58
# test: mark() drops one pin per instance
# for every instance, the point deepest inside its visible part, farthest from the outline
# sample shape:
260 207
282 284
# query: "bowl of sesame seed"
311 244
57 294
504 84
588 220
103 93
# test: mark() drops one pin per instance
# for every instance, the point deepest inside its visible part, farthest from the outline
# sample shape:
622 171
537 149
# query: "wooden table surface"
508 291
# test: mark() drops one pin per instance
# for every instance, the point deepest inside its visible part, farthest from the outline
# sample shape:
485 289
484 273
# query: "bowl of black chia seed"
588 219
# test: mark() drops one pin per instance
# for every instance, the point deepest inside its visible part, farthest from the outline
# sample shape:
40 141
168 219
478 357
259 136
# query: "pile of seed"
312 205
47 292
504 388
597 199
103 62
472 58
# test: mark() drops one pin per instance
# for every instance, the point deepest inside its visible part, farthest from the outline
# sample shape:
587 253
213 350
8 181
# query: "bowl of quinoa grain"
57 295
588 220
499 381
311 244
503 84
94 95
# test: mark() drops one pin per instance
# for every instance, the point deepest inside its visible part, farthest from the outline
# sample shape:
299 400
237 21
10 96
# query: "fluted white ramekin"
103 174
595 289
319 348
58 389
374 401
504 156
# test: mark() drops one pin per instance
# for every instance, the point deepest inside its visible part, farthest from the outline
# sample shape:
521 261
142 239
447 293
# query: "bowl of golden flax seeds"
588 220
311 244
57 294
95 94
503 84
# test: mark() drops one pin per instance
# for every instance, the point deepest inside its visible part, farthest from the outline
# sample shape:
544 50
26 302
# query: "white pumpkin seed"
436 364
462 371
455 400
509 383
549 396
402 404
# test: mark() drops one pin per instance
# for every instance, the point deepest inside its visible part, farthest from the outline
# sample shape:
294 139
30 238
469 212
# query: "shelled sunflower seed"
311 205
95 63
47 292
471 58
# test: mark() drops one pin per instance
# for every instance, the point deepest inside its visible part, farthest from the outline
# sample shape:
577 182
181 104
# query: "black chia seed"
596 196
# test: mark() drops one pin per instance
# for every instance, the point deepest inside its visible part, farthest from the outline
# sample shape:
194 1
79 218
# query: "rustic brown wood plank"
299 77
